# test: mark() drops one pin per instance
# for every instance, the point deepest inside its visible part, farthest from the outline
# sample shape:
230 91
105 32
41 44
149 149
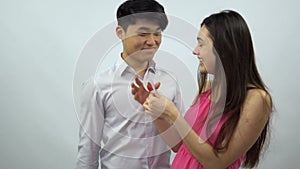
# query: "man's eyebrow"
143 29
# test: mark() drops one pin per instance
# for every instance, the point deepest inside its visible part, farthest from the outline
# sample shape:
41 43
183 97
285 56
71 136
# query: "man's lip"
153 48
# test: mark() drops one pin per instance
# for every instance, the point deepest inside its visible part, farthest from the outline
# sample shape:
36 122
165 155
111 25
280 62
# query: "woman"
227 124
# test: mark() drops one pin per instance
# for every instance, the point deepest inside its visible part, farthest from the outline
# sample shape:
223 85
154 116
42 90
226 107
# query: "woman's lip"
200 60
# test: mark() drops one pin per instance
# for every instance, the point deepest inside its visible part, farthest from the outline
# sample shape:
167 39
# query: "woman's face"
204 51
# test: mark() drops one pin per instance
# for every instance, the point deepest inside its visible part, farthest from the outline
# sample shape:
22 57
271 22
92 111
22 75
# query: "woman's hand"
159 106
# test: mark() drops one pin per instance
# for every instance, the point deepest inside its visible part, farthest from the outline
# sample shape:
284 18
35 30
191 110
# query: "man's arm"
91 126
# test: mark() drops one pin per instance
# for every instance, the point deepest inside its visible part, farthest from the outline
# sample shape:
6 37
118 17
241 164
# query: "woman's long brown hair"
233 43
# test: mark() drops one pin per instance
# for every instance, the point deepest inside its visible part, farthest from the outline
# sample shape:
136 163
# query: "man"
113 125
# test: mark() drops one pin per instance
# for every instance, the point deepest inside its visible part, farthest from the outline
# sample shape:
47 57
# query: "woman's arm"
165 129
253 118
168 133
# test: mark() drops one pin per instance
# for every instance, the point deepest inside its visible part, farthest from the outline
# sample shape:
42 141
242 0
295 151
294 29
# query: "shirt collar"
122 67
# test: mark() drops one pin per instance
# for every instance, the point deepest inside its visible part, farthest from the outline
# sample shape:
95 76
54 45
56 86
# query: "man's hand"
139 92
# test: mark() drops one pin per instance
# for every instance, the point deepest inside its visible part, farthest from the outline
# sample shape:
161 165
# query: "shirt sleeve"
91 118
178 101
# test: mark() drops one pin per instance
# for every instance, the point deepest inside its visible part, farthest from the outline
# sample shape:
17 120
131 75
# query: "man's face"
141 40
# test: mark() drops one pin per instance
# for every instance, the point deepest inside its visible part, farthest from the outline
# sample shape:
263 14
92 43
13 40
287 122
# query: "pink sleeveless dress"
195 116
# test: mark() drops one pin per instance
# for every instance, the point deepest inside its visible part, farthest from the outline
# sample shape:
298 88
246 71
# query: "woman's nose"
196 51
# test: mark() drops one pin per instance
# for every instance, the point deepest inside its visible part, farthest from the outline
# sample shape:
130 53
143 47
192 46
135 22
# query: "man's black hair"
132 10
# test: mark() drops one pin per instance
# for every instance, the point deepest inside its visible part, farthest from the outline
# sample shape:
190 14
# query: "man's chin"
145 55
148 54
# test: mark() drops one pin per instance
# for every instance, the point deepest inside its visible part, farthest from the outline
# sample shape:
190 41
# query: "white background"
40 42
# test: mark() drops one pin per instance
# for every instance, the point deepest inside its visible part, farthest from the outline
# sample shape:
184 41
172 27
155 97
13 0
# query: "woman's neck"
207 86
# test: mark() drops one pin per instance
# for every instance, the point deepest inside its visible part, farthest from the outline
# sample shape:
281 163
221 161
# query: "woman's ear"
120 32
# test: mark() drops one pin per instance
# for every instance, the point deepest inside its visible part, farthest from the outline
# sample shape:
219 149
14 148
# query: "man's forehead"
146 24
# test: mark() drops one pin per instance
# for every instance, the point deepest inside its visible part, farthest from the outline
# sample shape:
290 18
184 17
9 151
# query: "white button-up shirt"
115 127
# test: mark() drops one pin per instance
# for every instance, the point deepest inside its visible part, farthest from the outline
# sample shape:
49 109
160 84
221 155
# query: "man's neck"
139 67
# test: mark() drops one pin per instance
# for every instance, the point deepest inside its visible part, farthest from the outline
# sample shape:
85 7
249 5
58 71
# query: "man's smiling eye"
157 33
143 34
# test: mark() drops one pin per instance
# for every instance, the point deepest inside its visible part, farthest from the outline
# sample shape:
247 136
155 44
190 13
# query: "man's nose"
151 39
